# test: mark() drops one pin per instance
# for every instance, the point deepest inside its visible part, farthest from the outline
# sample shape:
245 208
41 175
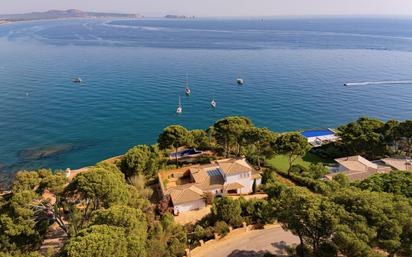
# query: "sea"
134 71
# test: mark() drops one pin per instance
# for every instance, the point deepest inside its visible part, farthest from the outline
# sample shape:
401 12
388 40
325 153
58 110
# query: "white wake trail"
390 82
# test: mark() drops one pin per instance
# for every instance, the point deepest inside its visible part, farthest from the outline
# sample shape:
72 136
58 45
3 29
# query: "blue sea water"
134 70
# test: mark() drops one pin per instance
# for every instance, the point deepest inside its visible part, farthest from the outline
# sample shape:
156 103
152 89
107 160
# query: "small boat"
213 103
187 89
77 80
240 81
179 109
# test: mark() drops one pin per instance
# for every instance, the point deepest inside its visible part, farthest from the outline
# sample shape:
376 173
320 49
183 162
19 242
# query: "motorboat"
77 80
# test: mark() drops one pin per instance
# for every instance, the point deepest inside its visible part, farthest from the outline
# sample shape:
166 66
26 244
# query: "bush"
227 210
327 250
200 233
273 190
268 176
314 185
298 169
329 151
222 228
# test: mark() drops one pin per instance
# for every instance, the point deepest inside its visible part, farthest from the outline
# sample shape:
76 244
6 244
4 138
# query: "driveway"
254 243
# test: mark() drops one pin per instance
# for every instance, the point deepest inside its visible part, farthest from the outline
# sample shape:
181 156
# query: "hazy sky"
219 7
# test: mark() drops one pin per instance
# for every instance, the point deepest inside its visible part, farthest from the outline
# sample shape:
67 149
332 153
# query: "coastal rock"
44 152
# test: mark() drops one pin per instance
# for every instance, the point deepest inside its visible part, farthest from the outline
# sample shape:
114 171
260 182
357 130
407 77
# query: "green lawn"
280 162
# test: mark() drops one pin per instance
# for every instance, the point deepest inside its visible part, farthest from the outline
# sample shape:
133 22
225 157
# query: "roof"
356 163
233 186
234 166
185 194
207 176
358 168
399 163
317 133
188 184
353 175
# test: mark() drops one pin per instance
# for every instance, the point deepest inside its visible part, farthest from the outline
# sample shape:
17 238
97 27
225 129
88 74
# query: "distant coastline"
2 22
180 17
63 14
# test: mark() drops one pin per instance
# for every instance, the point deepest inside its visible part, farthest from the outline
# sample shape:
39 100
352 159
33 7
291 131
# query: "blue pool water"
317 133
184 153
134 70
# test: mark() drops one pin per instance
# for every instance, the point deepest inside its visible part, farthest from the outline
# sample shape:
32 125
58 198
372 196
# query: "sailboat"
179 109
240 81
213 103
187 89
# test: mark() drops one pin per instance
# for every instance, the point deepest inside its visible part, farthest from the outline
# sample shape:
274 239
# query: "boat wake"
368 83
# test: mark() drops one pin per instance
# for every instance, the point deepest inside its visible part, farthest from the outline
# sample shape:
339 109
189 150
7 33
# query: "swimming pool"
317 133
185 153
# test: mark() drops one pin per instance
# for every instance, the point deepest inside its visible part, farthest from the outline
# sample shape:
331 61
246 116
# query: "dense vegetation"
107 210
372 139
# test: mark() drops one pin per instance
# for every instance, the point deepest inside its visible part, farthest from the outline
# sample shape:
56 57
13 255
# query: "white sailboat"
240 81
179 109
187 89
213 103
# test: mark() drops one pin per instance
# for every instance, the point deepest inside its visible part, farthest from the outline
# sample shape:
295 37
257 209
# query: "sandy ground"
253 243
192 216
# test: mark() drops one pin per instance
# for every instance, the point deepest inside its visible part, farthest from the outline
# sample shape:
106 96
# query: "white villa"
187 186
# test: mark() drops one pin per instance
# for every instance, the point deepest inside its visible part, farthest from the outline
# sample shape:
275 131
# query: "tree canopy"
227 210
228 133
141 159
293 145
396 182
363 137
174 136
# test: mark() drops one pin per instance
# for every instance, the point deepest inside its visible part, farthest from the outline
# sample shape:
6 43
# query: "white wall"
245 179
179 208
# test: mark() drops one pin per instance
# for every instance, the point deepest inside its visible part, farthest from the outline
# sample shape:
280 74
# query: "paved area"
254 243
192 216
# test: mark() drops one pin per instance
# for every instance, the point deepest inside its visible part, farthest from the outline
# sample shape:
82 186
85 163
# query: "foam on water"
369 83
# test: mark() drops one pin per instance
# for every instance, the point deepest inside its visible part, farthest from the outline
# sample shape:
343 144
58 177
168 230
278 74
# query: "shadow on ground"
279 251
245 253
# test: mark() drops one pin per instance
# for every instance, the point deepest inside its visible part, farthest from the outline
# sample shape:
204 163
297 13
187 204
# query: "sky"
219 8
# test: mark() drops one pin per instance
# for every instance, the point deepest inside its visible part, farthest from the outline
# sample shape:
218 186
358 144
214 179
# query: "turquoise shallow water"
133 72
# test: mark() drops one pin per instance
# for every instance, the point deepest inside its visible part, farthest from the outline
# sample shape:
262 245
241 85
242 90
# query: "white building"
187 186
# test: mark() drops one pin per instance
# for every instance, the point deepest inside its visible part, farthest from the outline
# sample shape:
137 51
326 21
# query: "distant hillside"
58 14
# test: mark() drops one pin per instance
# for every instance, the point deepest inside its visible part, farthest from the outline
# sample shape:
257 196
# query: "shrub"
227 210
222 228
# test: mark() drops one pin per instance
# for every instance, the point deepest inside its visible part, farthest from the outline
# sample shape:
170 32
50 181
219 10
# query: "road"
250 244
